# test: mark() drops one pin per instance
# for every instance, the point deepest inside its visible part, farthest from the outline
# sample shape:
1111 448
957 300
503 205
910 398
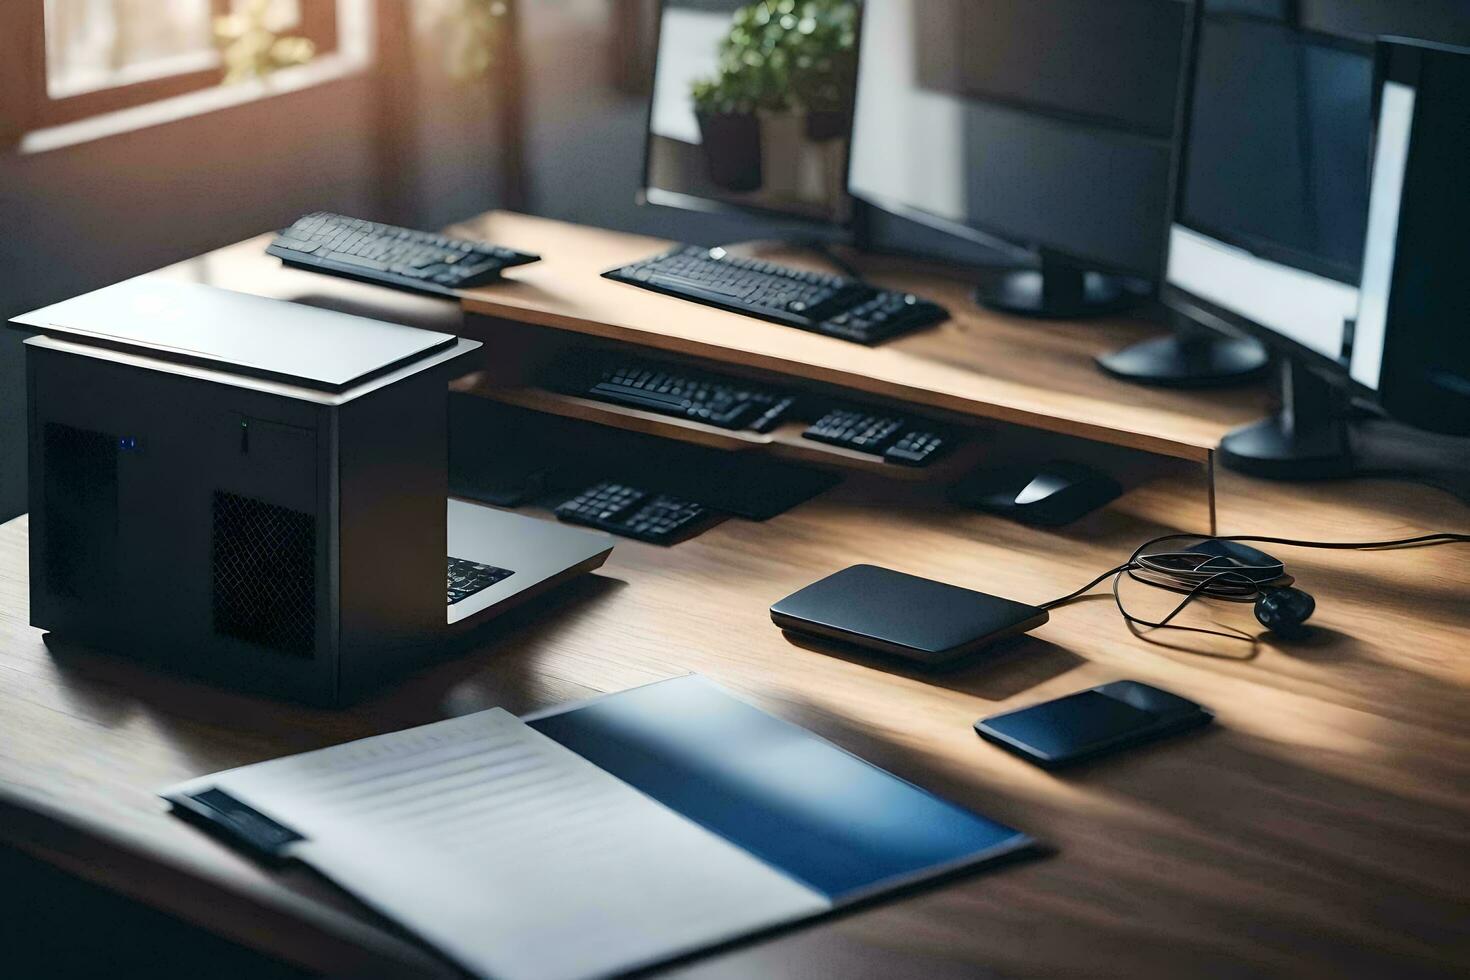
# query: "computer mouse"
1052 494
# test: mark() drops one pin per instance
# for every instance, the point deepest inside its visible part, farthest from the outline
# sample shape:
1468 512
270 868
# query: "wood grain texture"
1319 830
979 363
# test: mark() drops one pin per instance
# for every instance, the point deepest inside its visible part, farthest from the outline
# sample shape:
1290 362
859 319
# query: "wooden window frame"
26 105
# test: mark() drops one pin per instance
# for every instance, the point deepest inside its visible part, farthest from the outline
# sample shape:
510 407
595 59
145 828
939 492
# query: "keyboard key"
916 448
468 577
356 261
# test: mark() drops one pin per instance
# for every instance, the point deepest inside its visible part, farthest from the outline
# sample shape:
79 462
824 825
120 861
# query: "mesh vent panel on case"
264 574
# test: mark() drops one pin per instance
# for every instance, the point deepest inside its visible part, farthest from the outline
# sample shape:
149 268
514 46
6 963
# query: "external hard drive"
903 615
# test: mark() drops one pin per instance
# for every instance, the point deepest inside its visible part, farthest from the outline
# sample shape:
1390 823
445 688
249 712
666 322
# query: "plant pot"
823 125
782 146
732 149
797 168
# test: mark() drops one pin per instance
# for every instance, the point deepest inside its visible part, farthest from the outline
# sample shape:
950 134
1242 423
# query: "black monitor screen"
1114 63
1277 153
752 106
1046 123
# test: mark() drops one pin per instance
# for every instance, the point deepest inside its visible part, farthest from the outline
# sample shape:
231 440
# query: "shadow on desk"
445 318
55 926
470 676
476 677
995 674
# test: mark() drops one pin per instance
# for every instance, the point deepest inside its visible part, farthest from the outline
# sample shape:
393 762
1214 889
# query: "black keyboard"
916 447
814 301
723 402
468 577
391 256
633 513
893 438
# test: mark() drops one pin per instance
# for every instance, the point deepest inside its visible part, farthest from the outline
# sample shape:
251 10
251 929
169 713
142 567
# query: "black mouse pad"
903 615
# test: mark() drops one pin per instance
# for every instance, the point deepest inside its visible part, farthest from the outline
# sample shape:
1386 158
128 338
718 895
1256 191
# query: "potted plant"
822 65
752 52
784 81
729 131
797 58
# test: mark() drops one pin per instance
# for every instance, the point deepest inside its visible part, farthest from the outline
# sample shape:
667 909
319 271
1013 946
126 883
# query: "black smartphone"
1092 723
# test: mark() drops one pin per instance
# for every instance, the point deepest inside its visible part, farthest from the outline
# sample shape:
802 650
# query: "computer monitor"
1270 203
752 108
1410 346
1272 185
1040 123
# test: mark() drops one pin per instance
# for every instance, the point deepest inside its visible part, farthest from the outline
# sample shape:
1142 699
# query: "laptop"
498 560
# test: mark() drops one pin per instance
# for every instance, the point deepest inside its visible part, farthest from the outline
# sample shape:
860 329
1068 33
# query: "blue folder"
839 825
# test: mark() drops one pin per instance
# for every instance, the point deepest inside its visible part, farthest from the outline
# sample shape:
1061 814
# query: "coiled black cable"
1197 575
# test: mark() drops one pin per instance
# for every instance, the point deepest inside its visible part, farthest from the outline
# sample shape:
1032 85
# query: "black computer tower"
269 536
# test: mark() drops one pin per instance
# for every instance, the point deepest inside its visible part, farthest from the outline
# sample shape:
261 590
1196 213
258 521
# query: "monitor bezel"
1197 308
648 195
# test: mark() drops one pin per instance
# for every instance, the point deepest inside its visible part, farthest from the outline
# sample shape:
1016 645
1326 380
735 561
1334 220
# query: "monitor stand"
1188 358
1059 290
1307 439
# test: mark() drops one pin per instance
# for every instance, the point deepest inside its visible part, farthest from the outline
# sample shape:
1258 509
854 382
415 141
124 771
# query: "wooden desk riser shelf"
979 364
977 447
528 367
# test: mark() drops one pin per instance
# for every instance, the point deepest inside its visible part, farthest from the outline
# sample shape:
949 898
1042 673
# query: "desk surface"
1319 829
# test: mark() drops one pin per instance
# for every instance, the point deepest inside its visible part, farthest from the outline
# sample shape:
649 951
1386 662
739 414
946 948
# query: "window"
83 58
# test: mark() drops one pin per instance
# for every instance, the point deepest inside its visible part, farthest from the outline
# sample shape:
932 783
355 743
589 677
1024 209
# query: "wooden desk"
1320 829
